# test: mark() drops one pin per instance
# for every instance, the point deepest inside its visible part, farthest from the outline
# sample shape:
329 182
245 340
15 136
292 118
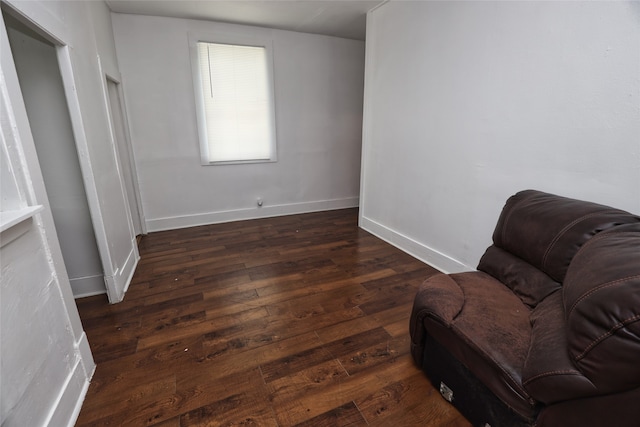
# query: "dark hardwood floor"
297 320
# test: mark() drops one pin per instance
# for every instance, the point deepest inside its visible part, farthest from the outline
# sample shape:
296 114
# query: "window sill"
237 162
11 221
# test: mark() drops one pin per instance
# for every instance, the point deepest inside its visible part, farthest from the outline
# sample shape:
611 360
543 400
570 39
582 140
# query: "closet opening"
42 87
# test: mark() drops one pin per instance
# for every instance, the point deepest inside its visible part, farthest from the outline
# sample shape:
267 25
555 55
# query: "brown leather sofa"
547 331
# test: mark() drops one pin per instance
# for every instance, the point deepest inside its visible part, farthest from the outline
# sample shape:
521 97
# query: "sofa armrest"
440 298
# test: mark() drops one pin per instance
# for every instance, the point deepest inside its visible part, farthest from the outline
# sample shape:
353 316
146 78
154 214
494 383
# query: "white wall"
104 40
44 98
84 60
468 102
46 361
318 96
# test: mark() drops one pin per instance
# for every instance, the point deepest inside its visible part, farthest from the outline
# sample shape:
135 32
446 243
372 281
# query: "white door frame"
26 166
127 135
115 288
77 124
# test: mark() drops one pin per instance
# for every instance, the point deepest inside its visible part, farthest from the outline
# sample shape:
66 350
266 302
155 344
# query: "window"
234 98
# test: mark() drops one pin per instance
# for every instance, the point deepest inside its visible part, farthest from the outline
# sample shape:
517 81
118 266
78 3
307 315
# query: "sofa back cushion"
526 281
601 298
546 230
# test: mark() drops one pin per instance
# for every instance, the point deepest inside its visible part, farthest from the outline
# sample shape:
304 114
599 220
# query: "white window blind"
238 105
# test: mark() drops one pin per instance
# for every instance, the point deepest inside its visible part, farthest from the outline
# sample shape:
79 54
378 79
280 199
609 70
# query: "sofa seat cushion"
489 334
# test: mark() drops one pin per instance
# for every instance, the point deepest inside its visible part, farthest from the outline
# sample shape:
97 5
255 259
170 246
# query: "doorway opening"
125 154
43 92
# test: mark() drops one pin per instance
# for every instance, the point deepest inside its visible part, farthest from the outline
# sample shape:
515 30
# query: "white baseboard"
130 265
69 403
88 286
86 357
172 223
76 411
416 249
121 278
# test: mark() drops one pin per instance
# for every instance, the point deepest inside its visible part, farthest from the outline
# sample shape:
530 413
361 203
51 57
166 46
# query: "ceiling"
339 18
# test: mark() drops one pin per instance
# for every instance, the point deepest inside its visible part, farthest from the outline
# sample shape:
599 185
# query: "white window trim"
256 41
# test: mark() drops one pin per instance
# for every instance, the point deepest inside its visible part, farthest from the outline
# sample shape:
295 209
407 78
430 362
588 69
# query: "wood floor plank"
213 365
315 377
409 401
348 328
237 410
338 393
200 326
173 422
123 397
296 320
345 415
289 365
363 358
